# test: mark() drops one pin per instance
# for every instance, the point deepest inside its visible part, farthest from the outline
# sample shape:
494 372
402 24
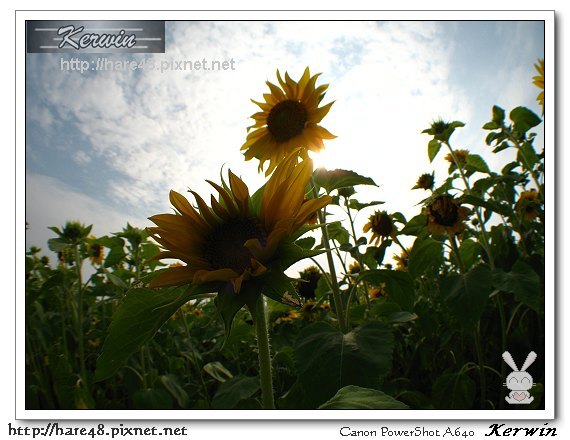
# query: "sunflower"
425 181
381 225
234 239
445 214
95 251
308 282
539 82
402 260
288 121
460 155
528 205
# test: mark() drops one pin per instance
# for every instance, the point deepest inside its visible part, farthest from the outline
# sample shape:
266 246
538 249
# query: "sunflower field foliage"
202 311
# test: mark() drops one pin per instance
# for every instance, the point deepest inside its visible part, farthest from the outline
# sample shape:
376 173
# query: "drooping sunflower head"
288 121
381 225
445 214
539 82
308 281
425 181
528 205
377 292
233 239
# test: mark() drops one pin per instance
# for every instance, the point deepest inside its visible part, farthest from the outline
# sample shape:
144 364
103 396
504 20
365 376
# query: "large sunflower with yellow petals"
288 121
235 238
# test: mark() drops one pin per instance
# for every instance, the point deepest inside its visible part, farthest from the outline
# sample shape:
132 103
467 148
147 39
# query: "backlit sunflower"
539 82
528 205
234 239
460 155
288 121
445 214
381 225
402 260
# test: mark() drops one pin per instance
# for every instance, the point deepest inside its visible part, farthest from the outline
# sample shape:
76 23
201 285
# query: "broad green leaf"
467 295
233 390
415 226
139 316
470 252
399 285
453 391
323 288
477 163
524 119
327 360
433 148
111 242
335 179
217 371
337 232
115 256
279 287
57 244
425 253
354 397
523 282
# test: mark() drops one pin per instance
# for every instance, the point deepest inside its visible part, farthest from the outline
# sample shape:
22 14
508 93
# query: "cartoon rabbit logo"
519 381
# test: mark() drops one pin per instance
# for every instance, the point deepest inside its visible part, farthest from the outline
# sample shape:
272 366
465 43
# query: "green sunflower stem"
334 281
260 320
80 339
484 236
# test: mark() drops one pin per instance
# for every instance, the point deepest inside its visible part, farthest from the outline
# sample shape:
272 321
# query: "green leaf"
115 256
470 252
523 282
474 200
116 280
306 243
217 371
139 316
399 285
492 125
228 303
172 385
335 179
355 204
233 390
57 244
415 226
477 163
290 253
467 295
527 156
433 148
425 253
498 115
279 287
337 232
111 242
328 360
323 288
524 119
453 391
353 397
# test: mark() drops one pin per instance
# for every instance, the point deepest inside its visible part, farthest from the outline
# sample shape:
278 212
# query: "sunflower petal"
173 276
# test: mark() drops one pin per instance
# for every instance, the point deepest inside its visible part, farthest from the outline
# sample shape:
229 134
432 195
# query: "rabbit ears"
527 363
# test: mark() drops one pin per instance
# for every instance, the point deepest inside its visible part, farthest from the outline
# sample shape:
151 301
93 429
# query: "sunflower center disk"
224 249
286 120
445 212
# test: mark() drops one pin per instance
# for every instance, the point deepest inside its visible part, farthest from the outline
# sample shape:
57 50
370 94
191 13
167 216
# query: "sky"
106 147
